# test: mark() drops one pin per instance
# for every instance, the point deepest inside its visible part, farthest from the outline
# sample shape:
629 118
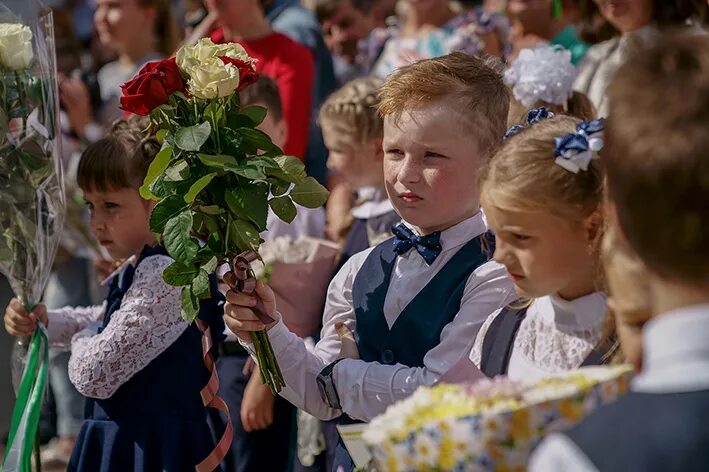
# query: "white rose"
15 46
190 57
213 79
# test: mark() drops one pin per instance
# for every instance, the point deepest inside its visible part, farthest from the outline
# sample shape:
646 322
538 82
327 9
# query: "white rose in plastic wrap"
15 46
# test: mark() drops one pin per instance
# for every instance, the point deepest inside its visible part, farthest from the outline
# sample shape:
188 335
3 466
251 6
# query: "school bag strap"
499 339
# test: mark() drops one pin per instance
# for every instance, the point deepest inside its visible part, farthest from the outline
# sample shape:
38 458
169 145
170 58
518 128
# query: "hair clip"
543 73
535 115
575 151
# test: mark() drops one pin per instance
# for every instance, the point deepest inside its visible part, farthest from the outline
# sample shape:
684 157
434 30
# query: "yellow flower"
15 46
571 409
392 464
446 458
519 422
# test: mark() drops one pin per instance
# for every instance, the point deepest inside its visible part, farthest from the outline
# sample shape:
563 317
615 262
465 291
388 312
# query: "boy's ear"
282 132
379 149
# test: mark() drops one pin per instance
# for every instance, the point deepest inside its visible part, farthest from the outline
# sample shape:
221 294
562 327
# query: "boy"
418 299
656 161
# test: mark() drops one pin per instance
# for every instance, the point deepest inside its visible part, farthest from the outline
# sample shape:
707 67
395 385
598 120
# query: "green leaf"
244 235
291 169
190 304
164 211
255 114
217 161
249 203
212 223
192 138
231 141
178 171
160 135
278 187
200 284
257 139
178 274
251 173
211 265
284 208
309 193
211 209
215 243
215 113
198 186
178 242
157 167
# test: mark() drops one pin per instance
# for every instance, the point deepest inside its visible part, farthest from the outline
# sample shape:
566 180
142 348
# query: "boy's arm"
300 366
63 323
366 389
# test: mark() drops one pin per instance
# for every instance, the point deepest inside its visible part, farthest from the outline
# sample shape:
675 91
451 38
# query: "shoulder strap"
602 353
499 339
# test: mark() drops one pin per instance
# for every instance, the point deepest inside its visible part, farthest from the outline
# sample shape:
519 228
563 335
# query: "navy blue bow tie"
428 246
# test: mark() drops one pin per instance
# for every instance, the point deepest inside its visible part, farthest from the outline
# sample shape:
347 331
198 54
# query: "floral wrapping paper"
502 440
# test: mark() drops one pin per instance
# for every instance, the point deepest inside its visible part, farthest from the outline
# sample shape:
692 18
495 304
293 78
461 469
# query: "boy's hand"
257 405
20 323
239 315
348 345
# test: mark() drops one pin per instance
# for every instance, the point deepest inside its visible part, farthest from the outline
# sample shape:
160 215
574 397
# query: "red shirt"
291 65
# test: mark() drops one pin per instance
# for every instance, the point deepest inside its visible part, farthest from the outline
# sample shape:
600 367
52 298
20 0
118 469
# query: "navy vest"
156 420
418 328
644 432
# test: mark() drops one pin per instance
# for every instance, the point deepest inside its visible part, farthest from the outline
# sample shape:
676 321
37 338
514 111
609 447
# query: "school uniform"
661 424
546 337
414 316
143 371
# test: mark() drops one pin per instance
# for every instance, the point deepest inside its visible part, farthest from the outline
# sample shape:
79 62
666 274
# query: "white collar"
587 312
676 352
375 203
460 233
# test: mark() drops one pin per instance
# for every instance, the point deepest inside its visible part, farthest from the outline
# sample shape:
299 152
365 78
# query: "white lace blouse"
555 336
148 322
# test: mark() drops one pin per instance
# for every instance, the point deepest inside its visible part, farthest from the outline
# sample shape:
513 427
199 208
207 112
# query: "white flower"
209 76
544 73
15 46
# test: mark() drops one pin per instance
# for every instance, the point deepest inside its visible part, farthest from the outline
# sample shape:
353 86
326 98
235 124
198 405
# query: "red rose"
247 71
151 87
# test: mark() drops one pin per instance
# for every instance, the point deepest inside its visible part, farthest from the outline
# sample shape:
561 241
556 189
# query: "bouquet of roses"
216 175
32 201
493 424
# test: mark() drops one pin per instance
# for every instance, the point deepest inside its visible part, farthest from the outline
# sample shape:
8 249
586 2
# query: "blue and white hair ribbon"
575 151
535 115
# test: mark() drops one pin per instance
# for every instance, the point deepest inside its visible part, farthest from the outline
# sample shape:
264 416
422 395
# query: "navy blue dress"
156 421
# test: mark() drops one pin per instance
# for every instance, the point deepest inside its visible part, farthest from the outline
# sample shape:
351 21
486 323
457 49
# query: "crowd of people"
517 182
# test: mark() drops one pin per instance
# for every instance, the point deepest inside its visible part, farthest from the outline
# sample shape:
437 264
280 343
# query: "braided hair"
352 110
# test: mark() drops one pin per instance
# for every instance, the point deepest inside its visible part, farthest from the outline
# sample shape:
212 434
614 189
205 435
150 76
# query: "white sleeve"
477 351
558 453
63 323
300 365
366 389
148 322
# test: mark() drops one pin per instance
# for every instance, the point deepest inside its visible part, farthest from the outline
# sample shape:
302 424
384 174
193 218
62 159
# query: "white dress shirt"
367 388
555 336
675 360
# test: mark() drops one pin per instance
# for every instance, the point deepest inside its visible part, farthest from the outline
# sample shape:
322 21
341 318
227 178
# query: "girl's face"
359 165
626 15
543 253
120 220
120 23
235 14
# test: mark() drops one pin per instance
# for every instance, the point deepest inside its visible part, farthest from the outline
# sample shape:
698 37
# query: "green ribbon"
25 416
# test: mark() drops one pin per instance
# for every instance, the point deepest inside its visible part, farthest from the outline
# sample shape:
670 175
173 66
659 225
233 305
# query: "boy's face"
626 15
275 129
360 165
344 28
120 220
431 163
544 254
